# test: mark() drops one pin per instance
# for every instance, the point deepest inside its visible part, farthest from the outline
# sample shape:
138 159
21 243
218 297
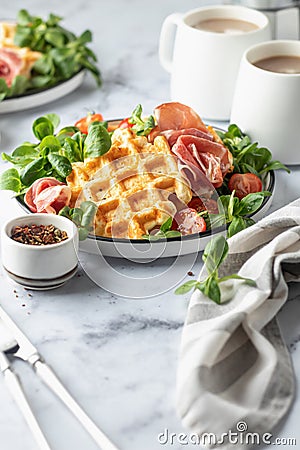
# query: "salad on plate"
37 54
164 175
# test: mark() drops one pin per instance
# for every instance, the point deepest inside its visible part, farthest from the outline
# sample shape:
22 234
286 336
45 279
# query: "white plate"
140 249
39 98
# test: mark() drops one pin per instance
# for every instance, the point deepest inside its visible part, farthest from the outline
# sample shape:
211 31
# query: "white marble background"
116 355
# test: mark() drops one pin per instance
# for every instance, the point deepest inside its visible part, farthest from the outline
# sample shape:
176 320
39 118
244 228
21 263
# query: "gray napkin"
235 372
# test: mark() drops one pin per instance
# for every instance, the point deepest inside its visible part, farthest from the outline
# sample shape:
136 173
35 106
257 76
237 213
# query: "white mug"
266 104
204 64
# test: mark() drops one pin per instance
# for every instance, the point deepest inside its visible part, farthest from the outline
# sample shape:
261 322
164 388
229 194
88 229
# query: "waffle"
131 184
7 33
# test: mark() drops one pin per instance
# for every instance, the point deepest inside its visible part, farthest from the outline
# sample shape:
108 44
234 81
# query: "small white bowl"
45 266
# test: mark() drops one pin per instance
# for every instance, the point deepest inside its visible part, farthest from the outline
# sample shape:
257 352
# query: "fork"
25 350
14 385
8 344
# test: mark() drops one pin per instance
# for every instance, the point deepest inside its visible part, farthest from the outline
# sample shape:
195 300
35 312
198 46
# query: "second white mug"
204 63
266 103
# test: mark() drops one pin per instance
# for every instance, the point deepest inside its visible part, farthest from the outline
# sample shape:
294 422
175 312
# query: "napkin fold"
235 372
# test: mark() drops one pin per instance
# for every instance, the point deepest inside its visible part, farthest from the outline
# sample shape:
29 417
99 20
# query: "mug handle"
166 40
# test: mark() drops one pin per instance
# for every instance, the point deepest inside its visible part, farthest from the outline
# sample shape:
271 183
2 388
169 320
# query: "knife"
30 354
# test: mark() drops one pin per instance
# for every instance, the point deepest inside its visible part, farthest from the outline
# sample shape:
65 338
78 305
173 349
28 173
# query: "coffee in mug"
204 63
226 26
280 64
266 102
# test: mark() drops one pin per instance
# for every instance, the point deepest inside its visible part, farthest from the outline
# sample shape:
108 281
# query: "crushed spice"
38 234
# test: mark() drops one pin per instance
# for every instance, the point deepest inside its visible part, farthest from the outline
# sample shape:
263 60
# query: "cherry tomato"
83 123
187 221
244 184
125 123
204 204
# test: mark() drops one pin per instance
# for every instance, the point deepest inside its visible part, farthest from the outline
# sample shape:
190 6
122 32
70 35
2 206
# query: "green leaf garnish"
82 216
54 154
33 171
235 212
60 164
97 142
187 287
163 232
214 255
43 127
141 127
247 156
10 180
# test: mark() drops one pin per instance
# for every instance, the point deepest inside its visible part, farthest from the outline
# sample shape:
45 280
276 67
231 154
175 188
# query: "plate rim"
43 96
40 90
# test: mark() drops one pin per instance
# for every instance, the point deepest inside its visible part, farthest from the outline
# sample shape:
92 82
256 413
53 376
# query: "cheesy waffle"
131 184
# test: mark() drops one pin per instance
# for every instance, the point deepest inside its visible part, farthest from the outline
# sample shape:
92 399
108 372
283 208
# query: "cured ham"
176 116
173 135
198 148
198 181
47 195
10 65
36 188
210 157
53 199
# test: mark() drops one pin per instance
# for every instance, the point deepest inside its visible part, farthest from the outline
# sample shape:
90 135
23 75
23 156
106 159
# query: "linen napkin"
235 372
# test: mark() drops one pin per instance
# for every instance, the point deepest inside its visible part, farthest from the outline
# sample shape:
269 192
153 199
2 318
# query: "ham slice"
53 199
176 116
211 158
10 65
47 195
210 166
198 146
200 184
173 135
201 157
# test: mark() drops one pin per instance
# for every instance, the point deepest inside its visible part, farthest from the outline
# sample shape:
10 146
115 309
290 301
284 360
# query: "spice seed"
38 234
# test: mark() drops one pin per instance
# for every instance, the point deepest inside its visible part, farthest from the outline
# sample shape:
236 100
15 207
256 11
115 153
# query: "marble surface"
116 355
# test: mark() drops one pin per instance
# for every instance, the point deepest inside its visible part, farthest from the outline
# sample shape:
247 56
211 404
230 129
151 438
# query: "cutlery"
28 353
14 385
12 381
